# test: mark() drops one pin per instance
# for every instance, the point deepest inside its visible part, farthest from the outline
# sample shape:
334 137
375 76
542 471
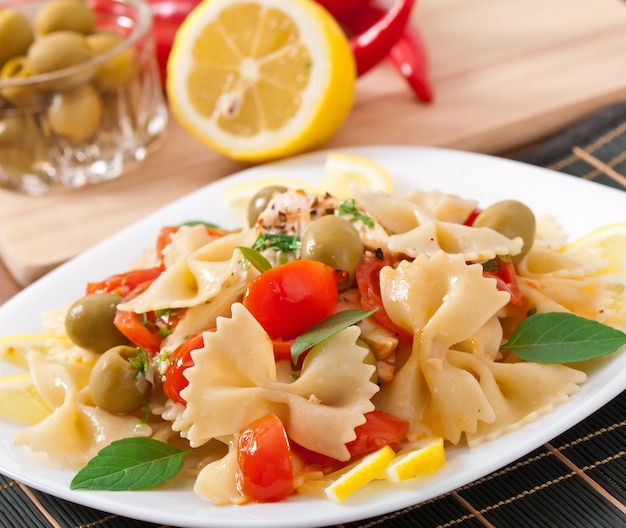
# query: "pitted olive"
65 15
334 241
260 200
512 219
20 96
58 50
116 384
75 115
89 322
16 35
117 70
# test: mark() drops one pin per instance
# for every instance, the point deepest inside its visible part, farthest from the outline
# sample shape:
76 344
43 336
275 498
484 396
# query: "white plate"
577 204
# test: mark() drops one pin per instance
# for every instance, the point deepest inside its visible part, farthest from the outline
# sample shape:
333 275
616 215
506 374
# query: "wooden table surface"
505 75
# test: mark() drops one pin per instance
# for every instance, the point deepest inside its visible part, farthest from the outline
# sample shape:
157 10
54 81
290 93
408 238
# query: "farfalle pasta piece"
399 214
76 430
473 243
197 274
235 380
448 304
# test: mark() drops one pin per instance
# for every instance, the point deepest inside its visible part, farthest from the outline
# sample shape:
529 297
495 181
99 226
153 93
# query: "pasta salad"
274 359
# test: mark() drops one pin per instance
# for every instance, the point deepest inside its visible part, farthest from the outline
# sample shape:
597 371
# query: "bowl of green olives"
80 93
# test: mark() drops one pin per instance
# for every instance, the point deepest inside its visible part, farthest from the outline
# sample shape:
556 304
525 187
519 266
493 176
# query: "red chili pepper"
338 8
409 57
375 32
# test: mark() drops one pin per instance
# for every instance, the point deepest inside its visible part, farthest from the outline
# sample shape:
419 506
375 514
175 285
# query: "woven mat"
578 480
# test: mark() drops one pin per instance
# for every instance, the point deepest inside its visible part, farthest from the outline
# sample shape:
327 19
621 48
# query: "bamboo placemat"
577 480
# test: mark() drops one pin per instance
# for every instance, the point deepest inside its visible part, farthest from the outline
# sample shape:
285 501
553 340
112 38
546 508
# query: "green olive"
116 384
512 219
117 70
16 35
20 96
65 15
58 50
89 322
334 241
14 131
260 200
75 115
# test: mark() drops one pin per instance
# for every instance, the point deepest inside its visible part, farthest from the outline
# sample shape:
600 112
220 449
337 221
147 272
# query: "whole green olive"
259 201
116 384
512 219
14 131
117 70
75 115
61 15
58 50
334 241
89 322
16 35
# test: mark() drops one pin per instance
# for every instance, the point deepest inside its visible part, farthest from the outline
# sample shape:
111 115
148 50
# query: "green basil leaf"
325 329
192 223
130 464
563 338
255 258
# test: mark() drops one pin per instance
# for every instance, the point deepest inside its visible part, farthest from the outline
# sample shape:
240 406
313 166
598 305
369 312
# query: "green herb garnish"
130 464
348 207
325 329
141 361
278 242
255 258
558 337
192 223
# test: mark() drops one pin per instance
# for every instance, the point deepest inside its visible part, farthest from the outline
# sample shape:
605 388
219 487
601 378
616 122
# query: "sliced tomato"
504 272
380 429
282 348
368 282
173 380
146 330
123 283
265 468
289 299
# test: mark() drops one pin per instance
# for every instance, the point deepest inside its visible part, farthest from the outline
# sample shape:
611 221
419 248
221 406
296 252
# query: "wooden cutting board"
505 74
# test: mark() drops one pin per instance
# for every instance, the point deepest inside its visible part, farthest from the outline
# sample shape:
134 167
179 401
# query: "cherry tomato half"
146 330
123 283
506 278
379 429
173 380
265 468
368 282
289 299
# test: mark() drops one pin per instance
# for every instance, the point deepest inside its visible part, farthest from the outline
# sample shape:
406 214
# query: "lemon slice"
605 245
15 348
413 461
239 195
341 170
362 473
20 401
260 79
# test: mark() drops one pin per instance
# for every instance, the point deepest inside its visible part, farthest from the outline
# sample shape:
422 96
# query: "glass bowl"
82 123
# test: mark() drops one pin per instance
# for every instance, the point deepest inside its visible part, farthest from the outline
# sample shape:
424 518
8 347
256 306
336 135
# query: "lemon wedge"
362 473
341 170
15 348
239 195
424 458
20 401
606 244
260 79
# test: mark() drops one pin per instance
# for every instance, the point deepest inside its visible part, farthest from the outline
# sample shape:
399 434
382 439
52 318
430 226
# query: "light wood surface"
505 74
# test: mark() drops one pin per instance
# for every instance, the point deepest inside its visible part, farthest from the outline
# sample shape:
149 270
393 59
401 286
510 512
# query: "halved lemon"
15 348
424 458
260 79
342 169
362 473
605 245
20 401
